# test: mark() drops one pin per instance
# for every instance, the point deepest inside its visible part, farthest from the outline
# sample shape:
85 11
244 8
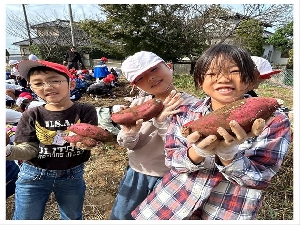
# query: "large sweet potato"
243 111
91 131
145 111
89 142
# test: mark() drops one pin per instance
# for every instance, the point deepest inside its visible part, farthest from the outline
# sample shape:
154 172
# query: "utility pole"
71 24
27 25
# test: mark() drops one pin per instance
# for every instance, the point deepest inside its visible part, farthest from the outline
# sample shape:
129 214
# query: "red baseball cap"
26 95
111 76
103 59
25 65
108 79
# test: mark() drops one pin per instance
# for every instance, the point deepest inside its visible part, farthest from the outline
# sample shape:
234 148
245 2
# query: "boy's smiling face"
223 83
52 87
155 80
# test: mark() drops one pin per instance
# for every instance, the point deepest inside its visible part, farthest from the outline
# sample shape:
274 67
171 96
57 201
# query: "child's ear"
169 65
72 84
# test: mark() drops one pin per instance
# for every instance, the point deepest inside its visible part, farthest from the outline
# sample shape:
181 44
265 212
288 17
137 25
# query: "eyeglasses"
53 83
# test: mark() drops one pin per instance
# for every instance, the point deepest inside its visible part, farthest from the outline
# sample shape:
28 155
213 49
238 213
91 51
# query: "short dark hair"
239 55
45 69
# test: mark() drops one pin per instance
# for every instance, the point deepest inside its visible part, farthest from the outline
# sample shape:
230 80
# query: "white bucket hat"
13 62
264 67
33 57
138 63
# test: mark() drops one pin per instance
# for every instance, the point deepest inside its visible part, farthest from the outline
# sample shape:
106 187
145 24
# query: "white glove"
204 147
228 147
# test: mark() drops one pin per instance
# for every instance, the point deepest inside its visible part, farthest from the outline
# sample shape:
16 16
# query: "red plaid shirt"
209 190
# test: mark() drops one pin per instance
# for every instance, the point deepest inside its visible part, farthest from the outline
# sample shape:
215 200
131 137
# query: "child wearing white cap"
33 57
264 70
14 73
145 141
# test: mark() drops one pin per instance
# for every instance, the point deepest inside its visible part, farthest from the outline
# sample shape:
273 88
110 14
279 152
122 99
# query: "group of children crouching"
18 92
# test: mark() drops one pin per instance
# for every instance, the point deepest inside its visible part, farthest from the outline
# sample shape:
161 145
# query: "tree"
249 34
176 30
172 31
283 38
131 28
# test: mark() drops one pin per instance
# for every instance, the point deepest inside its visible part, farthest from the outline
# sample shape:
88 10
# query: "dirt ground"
103 171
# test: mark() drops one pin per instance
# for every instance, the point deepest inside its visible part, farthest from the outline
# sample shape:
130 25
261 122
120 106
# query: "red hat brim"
25 65
269 75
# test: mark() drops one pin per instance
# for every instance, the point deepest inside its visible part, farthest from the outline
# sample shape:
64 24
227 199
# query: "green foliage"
283 38
249 34
185 83
128 28
54 53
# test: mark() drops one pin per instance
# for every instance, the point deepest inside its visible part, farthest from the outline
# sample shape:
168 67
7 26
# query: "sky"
53 11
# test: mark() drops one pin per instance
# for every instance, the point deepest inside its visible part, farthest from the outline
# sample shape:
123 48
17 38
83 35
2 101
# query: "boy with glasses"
50 164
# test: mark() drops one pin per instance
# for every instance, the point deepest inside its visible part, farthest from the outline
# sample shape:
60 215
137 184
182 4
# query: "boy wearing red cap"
101 70
50 164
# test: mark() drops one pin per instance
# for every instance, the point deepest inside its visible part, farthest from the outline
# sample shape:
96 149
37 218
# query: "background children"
33 57
144 141
50 163
12 167
265 71
101 70
12 93
14 73
102 88
211 179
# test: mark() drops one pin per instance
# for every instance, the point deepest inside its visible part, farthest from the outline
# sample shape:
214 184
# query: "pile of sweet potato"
88 134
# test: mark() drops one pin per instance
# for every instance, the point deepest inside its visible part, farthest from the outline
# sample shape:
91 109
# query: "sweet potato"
145 111
243 111
91 131
89 142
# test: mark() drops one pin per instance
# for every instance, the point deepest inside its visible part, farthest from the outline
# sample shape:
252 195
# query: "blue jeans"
133 189
12 170
34 186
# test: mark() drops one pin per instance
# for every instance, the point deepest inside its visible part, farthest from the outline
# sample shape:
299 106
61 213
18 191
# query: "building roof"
55 23
65 40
